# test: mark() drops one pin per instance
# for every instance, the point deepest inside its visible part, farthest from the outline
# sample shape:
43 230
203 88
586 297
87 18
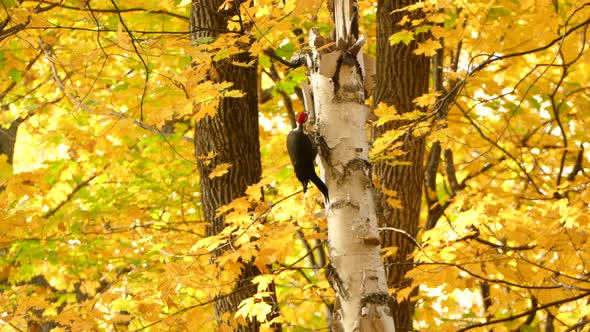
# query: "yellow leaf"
390 251
388 113
395 203
403 294
206 109
210 243
242 64
219 170
263 281
207 158
438 18
255 307
428 47
233 94
386 143
389 192
254 191
448 254
417 22
427 99
150 311
5 168
385 113
404 20
468 218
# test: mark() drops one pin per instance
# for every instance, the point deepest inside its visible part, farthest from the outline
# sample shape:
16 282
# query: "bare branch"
494 58
295 63
506 152
13 82
577 326
73 193
404 233
504 246
436 208
432 167
526 313
114 11
78 104
578 165
307 247
145 65
451 174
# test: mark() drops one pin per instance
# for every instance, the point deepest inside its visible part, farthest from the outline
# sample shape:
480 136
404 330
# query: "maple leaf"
507 182
404 36
428 47
255 307
263 281
427 99
207 109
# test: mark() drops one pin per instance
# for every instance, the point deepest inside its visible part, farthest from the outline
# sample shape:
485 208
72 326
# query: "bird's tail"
321 186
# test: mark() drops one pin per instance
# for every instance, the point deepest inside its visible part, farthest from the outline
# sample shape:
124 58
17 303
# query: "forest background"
103 218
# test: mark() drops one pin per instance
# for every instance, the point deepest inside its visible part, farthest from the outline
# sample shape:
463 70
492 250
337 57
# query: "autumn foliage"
101 224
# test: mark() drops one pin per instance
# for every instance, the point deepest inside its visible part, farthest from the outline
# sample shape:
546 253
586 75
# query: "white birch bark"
357 273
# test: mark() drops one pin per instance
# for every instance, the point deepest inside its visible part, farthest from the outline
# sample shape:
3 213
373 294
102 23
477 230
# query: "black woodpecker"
302 153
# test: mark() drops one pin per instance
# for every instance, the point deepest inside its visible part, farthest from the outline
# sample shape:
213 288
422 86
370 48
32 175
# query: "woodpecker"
302 154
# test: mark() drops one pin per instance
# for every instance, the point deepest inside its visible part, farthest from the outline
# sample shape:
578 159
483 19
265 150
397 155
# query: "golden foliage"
100 212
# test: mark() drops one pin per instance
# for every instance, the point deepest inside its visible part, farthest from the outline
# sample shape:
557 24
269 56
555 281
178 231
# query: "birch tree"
336 77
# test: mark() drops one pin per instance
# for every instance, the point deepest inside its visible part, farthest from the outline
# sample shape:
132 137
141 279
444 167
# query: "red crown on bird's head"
302 117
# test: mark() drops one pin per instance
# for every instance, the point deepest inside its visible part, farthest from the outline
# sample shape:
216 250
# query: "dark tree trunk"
8 139
233 134
401 77
8 142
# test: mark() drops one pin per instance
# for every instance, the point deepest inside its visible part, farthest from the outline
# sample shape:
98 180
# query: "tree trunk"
233 134
401 76
8 139
8 142
356 271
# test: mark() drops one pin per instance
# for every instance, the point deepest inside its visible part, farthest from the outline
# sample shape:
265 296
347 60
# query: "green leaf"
203 40
264 61
2 58
121 87
451 21
496 12
286 51
422 29
222 54
403 36
15 75
54 170
184 61
8 3
534 103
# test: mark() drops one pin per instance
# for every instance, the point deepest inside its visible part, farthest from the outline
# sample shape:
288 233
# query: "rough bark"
401 77
8 142
356 270
233 135
8 139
